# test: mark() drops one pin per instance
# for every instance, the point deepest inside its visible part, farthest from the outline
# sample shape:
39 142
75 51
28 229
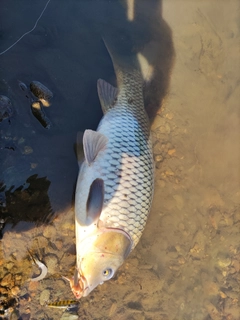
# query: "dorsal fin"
107 94
95 201
93 143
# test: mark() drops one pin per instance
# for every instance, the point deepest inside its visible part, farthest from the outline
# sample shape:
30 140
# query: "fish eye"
107 273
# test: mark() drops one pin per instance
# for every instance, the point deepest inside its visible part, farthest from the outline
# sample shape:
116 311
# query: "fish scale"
135 161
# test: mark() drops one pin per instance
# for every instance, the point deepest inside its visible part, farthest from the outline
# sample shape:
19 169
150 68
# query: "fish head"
103 254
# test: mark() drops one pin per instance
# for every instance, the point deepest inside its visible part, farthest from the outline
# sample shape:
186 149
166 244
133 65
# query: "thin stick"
27 31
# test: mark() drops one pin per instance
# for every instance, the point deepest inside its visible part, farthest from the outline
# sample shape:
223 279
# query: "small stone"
18 277
34 165
3 290
169 116
169 172
36 105
28 310
27 150
59 244
44 297
171 151
33 286
223 260
223 295
49 232
21 140
6 280
42 242
181 260
9 265
51 263
158 158
40 90
69 316
113 309
163 129
6 108
15 291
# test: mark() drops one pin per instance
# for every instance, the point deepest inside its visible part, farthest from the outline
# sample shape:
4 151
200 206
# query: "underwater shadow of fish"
147 35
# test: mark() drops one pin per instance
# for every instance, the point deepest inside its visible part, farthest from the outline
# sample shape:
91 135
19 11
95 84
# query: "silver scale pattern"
127 168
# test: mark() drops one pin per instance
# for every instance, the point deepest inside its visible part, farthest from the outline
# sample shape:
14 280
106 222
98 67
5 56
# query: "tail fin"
125 62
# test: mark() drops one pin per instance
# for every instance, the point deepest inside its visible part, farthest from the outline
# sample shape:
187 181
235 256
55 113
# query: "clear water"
186 265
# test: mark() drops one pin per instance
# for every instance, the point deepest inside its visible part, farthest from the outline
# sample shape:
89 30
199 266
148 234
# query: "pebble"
59 244
51 261
27 150
36 105
41 242
9 265
171 151
165 129
49 232
112 309
223 260
158 158
15 291
40 90
44 297
169 115
6 280
6 109
69 316
18 277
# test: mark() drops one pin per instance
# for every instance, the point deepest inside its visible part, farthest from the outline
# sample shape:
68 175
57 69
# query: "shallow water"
186 265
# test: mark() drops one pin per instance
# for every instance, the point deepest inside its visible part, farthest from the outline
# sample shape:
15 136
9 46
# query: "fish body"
62 304
115 184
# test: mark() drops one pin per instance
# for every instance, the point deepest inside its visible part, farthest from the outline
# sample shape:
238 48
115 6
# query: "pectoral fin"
95 201
107 94
93 143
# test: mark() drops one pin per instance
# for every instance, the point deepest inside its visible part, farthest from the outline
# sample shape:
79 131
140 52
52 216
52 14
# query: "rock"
69 316
49 232
171 151
27 150
158 158
51 263
40 90
6 108
169 115
15 291
6 280
44 297
9 265
223 260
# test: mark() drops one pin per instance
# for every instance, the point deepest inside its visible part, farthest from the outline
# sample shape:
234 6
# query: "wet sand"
186 265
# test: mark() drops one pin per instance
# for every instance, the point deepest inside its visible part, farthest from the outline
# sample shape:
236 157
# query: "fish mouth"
79 287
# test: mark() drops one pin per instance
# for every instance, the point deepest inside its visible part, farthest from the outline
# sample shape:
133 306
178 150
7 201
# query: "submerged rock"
40 91
6 108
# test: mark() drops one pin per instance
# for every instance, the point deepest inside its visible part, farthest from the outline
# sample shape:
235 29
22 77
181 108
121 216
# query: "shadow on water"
66 53
69 58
